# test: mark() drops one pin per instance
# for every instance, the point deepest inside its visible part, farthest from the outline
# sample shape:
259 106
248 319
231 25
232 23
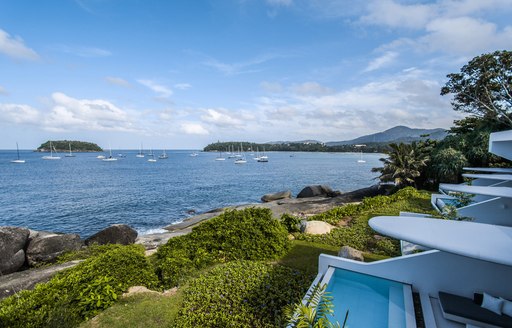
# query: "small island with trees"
64 145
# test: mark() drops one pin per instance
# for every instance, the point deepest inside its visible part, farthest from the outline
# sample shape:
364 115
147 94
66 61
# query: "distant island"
373 143
63 145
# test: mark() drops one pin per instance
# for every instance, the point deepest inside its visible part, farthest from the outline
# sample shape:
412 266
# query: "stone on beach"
12 244
317 190
317 227
115 234
46 247
351 253
276 196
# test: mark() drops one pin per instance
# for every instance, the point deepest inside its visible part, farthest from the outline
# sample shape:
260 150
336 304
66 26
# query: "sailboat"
220 158
263 158
232 152
70 153
110 158
18 160
152 158
241 159
163 155
140 154
51 157
361 160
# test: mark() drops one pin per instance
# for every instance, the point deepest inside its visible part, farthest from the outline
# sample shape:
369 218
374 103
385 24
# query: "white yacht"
51 157
18 160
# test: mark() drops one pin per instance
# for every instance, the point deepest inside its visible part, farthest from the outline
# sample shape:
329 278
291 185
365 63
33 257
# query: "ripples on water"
84 194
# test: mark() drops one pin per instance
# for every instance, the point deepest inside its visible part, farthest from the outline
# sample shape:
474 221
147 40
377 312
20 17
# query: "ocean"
83 194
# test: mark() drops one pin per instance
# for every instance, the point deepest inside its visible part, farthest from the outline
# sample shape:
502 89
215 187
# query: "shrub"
249 234
242 294
358 233
80 292
290 222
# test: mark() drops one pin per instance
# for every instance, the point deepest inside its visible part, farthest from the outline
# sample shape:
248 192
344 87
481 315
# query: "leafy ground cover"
225 268
357 233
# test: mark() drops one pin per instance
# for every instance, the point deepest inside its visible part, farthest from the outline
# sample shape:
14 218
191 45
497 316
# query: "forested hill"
76 146
293 146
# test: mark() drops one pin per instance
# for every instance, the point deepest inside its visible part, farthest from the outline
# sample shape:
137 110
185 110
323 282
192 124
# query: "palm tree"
404 164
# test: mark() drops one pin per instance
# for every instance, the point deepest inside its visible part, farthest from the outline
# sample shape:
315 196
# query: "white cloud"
272 87
70 113
393 14
83 51
382 61
117 81
3 92
15 47
310 88
239 67
19 114
221 118
161 90
182 86
193 128
465 35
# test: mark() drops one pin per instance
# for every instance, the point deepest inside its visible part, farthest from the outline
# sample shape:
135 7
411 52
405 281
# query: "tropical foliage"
242 294
249 234
314 314
404 164
80 292
63 145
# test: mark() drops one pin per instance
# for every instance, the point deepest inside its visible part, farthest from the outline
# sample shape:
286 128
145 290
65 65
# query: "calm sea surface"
84 194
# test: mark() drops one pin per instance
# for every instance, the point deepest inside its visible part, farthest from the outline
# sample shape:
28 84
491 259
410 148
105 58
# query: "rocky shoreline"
22 250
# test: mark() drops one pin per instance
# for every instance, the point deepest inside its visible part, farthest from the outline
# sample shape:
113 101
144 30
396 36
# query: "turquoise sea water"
84 194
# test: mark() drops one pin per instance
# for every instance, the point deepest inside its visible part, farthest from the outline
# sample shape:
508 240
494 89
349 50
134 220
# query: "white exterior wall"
496 211
433 271
500 143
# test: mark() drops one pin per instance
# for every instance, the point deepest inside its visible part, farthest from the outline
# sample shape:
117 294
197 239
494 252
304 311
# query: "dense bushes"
81 292
242 294
358 233
250 234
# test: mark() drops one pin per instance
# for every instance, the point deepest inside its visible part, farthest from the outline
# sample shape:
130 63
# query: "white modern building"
436 287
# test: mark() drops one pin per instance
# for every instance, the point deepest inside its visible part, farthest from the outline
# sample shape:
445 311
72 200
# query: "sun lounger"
464 310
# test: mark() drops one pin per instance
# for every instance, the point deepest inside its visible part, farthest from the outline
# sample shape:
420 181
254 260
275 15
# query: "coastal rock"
316 227
115 234
45 247
278 195
18 281
317 190
351 253
12 245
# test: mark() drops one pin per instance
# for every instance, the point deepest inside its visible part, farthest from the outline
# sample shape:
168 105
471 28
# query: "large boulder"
351 253
115 234
278 195
316 227
44 247
12 248
317 190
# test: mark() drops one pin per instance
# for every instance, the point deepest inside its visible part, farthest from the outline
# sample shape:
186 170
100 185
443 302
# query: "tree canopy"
483 87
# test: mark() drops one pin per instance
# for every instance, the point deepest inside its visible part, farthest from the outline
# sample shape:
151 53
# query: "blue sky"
182 74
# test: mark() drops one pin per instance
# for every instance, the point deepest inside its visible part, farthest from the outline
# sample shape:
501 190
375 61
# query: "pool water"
372 302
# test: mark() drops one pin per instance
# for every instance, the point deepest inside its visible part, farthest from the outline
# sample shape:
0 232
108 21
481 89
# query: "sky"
181 74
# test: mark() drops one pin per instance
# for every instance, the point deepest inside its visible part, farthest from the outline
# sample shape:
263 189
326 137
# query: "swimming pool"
373 302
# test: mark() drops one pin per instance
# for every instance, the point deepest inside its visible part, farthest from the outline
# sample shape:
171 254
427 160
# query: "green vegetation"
76 146
357 233
80 292
374 147
242 294
146 310
303 255
482 90
316 312
250 234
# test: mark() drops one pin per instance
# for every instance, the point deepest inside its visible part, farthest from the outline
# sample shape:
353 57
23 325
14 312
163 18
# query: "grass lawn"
304 255
145 310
